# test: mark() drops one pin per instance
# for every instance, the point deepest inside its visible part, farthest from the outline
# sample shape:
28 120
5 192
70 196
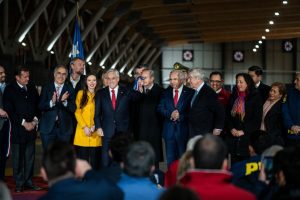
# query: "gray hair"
197 73
180 74
271 151
151 72
113 71
60 66
191 143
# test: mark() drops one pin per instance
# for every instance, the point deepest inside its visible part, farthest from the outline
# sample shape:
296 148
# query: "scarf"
238 108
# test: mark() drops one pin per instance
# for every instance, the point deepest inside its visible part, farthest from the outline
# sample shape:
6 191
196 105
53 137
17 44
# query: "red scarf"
238 108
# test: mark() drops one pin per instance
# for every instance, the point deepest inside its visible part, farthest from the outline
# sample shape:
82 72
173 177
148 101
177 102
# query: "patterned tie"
57 92
176 98
113 99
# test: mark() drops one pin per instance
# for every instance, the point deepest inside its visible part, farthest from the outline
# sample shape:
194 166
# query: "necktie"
194 97
24 87
176 98
57 92
113 99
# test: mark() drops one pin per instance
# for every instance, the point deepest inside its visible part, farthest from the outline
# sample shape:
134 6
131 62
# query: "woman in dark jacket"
244 113
272 121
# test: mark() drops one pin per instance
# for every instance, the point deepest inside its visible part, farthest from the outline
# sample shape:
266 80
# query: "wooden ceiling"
190 21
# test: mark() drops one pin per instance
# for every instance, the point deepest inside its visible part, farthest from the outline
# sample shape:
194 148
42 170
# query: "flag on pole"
77 48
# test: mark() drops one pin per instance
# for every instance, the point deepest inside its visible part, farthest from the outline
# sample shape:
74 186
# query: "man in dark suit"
256 73
58 106
173 106
20 102
76 77
149 120
207 115
60 169
112 111
4 128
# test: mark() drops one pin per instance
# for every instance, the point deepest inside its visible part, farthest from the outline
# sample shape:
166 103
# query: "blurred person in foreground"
139 164
210 178
59 168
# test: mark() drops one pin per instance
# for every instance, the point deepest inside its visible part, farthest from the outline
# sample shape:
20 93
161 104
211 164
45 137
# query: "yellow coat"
85 117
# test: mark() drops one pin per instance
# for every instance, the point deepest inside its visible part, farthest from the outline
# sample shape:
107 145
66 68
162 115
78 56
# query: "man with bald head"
173 106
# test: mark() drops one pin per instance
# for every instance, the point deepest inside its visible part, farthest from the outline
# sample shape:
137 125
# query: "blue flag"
77 48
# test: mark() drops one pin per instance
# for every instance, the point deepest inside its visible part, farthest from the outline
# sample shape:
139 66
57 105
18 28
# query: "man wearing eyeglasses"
216 83
57 104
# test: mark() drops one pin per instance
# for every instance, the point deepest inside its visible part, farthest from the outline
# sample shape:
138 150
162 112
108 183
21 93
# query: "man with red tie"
173 106
112 111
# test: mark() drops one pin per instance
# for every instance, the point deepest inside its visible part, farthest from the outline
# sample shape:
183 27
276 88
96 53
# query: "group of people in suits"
71 109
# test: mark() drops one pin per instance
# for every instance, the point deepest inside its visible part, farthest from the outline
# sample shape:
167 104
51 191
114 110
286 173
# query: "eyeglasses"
61 74
213 81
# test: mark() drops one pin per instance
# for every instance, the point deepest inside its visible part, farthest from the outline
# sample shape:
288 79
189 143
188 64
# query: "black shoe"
18 189
33 187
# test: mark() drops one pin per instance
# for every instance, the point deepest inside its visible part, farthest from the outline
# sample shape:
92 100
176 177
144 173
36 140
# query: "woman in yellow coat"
87 142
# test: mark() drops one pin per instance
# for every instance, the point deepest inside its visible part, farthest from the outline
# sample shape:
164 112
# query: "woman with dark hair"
86 139
272 121
244 113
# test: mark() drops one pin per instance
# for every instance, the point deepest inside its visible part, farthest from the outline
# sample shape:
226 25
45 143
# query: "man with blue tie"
173 106
112 111
57 104
206 115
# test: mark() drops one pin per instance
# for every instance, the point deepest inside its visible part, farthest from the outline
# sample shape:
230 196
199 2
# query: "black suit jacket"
250 123
110 120
21 104
79 85
274 123
264 91
64 113
206 113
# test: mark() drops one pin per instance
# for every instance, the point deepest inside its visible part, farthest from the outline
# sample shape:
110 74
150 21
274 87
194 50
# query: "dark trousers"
4 144
55 134
174 150
23 161
105 148
90 154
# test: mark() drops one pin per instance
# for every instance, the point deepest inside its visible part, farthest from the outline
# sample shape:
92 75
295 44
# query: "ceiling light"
254 50
267 30
90 63
130 75
257 46
260 42
271 22
52 52
284 2
103 67
263 37
276 13
23 44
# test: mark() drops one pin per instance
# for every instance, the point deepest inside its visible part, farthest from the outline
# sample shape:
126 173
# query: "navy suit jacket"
110 120
179 129
206 113
64 113
21 104
73 189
